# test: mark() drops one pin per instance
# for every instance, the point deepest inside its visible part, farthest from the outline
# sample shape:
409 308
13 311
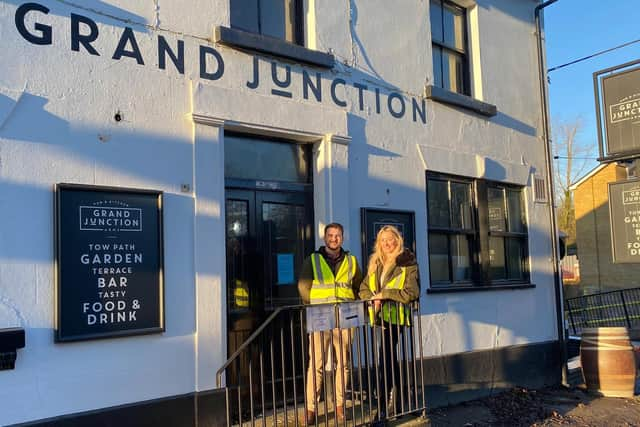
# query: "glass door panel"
284 245
268 234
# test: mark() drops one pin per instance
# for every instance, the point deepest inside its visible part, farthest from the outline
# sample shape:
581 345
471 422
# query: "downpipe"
550 191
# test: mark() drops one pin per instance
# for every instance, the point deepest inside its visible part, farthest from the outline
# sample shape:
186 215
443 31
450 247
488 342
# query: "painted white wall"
56 125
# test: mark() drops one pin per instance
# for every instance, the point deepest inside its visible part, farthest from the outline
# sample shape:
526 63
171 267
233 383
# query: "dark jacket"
411 290
305 279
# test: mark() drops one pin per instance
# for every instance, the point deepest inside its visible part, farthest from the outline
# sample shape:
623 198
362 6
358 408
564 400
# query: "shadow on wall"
467 376
511 122
27 112
363 151
353 10
386 88
598 272
494 170
7 104
116 150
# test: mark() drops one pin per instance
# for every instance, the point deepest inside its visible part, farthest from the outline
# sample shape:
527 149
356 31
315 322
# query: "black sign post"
109 265
624 209
374 219
617 96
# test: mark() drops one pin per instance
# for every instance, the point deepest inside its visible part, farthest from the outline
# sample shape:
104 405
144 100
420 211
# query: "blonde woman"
391 284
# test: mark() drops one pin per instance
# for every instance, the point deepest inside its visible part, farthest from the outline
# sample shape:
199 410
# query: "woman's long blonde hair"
378 257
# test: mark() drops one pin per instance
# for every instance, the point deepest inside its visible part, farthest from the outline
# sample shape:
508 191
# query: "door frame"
330 147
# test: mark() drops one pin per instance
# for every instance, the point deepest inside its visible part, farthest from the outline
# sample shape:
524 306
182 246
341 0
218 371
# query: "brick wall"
593 235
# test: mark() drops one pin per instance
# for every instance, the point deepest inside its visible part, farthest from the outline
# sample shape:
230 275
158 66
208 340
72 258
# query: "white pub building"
166 166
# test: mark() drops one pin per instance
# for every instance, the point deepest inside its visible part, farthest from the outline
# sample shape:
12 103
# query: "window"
451 230
274 27
449 46
477 232
507 233
265 159
281 19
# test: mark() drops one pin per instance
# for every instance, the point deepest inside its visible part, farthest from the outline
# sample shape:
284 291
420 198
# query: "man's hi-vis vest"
326 288
392 312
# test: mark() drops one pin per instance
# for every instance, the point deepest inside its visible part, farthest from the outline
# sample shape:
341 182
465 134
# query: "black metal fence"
614 308
267 382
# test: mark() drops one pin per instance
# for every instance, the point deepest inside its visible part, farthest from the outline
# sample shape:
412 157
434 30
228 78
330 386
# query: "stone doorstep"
409 421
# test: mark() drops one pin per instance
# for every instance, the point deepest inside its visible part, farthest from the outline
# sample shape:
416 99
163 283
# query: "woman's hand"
377 301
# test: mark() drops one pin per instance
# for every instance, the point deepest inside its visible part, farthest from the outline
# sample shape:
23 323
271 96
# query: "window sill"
475 288
271 45
445 96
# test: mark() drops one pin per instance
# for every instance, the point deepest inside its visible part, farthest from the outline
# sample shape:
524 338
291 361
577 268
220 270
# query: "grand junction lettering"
84 32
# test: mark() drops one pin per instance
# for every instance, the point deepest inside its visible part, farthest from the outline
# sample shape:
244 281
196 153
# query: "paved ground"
548 407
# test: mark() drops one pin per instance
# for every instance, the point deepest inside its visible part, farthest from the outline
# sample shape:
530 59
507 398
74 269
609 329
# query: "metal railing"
613 308
267 383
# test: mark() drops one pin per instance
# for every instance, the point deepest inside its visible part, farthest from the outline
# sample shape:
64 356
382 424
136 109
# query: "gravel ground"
547 407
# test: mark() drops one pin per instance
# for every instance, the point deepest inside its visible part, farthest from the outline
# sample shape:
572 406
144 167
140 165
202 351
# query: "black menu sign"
109 262
624 208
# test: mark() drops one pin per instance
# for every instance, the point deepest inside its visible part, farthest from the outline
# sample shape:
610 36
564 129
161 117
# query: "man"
329 275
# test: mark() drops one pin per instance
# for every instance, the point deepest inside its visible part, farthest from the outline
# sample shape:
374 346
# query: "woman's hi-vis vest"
390 312
326 288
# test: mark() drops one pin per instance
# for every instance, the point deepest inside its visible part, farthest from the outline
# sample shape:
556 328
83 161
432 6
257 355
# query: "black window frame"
298 24
236 36
507 233
470 232
480 235
443 46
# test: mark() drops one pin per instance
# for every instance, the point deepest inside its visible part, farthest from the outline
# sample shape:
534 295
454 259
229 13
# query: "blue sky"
577 28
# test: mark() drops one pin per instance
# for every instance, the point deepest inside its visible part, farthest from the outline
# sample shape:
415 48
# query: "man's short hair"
334 225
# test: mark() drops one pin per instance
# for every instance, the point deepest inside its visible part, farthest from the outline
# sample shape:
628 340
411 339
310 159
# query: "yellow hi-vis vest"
390 312
241 294
326 288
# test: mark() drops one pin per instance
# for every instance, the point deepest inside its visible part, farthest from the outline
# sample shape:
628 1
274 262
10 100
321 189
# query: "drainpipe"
552 217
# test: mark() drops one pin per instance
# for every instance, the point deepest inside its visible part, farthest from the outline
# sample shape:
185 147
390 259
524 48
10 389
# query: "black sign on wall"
109 275
624 210
374 219
618 109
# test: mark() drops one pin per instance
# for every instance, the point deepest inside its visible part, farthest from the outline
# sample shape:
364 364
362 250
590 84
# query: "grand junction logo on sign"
624 205
621 112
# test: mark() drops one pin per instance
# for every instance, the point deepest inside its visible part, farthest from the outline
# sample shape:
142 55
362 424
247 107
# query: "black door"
268 234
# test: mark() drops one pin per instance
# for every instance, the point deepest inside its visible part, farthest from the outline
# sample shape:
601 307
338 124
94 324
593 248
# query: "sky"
578 28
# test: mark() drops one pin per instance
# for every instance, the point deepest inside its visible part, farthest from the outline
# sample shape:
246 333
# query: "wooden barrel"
608 361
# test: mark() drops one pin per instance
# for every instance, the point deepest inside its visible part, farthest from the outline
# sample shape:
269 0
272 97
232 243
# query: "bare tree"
573 156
